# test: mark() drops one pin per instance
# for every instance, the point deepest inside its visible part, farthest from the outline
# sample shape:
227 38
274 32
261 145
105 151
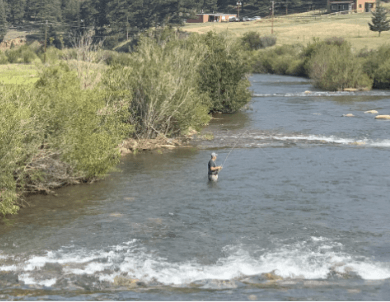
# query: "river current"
300 211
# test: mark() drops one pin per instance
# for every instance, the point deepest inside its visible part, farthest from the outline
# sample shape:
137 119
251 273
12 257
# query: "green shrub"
376 64
13 56
115 58
333 67
163 83
285 59
223 73
267 41
23 54
335 41
3 58
251 40
56 133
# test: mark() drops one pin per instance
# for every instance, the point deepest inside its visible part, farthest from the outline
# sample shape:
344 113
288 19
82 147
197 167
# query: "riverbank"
66 127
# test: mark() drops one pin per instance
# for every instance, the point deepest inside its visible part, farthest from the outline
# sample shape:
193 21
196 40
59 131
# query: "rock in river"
371 111
348 115
383 117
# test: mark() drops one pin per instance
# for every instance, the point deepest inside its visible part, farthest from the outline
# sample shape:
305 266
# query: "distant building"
359 6
203 18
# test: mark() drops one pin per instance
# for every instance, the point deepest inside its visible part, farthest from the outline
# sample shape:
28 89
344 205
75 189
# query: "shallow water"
300 211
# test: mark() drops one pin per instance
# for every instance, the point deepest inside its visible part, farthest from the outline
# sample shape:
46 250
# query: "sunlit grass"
302 28
18 74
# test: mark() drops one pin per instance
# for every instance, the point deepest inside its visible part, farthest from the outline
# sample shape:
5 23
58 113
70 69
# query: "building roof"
216 14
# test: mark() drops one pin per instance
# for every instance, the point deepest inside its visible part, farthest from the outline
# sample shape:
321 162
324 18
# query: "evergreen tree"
3 21
16 11
379 19
42 10
101 17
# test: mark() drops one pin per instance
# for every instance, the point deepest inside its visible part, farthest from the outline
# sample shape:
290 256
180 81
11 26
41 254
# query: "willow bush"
376 63
223 72
331 64
56 133
163 82
333 67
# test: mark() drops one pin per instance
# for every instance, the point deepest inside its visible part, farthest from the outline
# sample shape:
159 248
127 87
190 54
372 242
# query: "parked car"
245 19
256 18
233 19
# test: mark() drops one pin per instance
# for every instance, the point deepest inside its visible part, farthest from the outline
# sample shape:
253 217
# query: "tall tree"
379 19
16 11
3 21
42 10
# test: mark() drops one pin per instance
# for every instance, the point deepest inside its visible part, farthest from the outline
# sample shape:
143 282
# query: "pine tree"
379 19
16 11
3 21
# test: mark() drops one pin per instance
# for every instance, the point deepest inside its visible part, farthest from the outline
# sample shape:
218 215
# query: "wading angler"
213 168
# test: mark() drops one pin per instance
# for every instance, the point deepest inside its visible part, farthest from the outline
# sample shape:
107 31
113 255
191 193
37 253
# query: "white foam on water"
315 258
328 139
28 280
8 268
323 93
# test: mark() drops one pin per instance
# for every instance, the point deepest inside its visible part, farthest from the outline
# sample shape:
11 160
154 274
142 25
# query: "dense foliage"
331 64
67 127
252 40
55 133
3 21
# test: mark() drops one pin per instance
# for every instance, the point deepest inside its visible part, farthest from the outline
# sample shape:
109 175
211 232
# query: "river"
300 211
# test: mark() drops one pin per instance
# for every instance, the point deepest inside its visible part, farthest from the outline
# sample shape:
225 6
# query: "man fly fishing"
213 168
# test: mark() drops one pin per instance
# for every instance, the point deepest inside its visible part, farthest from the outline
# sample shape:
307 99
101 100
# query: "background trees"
118 19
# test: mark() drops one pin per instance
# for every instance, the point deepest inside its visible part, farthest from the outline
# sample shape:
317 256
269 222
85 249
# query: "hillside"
301 28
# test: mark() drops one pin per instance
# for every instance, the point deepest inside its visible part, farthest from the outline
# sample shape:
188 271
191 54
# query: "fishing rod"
233 148
236 145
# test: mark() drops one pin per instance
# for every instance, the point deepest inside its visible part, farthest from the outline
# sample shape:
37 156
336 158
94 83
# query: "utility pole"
78 15
286 8
127 28
44 57
272 18
238 9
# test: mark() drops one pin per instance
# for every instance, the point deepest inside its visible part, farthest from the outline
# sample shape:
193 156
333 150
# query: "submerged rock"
371 111
252 297
307 91
8 279
128 282
383 117
217 284
271 276
348 115
358 143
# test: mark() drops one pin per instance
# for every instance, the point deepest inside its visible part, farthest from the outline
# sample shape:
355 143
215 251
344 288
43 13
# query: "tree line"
123 17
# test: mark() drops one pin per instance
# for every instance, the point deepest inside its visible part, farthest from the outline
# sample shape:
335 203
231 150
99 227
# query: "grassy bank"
18 74
63 125
302 28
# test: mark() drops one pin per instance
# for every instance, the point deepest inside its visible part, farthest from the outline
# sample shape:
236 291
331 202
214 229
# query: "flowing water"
300 211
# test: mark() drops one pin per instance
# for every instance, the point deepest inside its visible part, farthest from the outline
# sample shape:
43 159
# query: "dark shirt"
212 164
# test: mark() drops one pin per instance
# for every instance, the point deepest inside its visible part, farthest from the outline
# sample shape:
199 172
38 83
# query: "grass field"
301 28
18 74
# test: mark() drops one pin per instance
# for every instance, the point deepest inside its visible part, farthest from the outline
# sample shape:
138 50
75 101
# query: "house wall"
364 5
360 6
200 19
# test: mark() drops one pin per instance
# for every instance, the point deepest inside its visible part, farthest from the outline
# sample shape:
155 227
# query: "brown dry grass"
302 28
